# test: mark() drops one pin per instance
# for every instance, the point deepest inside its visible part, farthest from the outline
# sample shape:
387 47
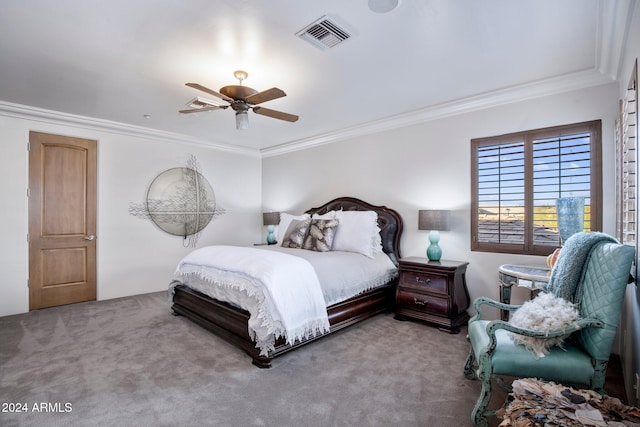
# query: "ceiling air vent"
324 33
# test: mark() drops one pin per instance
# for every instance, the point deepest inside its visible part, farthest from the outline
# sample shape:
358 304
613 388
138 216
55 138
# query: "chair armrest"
494 325
480 301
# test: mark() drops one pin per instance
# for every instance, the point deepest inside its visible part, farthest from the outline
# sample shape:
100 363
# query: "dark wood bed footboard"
231 323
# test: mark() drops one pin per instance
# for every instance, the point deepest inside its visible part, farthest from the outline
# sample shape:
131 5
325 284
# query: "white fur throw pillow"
543 313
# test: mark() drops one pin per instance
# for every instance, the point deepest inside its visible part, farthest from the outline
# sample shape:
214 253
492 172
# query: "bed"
231 322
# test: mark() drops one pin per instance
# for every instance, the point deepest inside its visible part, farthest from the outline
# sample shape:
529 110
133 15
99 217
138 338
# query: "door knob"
91 237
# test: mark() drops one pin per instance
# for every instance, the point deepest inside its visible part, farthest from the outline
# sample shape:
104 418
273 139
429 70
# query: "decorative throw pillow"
545 312
358 232
296 233
285 220
320 236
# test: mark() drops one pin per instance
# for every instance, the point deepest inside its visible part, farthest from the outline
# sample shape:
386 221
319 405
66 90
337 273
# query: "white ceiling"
120 60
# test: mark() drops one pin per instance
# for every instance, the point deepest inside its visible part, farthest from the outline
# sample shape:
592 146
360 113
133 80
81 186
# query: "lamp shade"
271 218
433 220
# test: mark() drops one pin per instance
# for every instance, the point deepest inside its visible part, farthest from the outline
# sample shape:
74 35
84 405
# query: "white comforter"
284 295
345 274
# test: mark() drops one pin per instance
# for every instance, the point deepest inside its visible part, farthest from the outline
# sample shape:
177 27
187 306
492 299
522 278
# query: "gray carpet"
128 361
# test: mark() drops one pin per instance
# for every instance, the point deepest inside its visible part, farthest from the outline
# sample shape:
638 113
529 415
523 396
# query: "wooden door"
62 220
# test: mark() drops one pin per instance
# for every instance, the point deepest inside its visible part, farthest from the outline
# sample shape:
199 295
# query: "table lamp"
271 219
435 221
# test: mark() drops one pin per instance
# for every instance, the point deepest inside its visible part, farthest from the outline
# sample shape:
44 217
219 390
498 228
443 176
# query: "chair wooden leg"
479 413
470 366
599 375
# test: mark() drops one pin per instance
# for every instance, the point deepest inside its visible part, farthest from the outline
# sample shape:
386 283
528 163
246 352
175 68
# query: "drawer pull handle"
418 302
422 281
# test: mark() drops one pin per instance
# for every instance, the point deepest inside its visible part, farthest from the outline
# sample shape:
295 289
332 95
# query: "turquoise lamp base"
271 237
434 252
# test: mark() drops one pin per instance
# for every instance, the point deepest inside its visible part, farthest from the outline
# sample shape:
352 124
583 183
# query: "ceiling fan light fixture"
242 120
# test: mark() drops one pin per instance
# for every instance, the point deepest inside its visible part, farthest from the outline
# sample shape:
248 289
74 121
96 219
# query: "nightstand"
433 291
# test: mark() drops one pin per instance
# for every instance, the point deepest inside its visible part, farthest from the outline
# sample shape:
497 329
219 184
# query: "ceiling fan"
242 99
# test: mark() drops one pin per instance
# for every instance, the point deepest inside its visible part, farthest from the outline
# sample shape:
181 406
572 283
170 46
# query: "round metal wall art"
180 201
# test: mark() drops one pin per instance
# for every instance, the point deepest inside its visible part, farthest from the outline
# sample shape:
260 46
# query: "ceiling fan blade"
198 110
275 114
265 95
209 91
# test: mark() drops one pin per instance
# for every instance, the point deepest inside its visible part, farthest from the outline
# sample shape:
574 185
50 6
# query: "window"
627 165
516 179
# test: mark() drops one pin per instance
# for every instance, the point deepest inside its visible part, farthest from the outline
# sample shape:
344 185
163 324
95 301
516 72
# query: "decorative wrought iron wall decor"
180 201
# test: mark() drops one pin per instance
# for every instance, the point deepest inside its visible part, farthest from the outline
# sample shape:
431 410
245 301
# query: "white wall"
134 256
630 322
428 166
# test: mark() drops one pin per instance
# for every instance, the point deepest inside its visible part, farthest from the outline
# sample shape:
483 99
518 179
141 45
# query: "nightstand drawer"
422 302
431 282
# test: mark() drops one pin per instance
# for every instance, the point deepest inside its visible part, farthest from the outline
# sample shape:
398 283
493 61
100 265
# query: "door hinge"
28 283
28 146
27 237
28 192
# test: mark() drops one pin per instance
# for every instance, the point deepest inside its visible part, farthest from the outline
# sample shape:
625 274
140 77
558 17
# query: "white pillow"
377 239
357 232
328 215
545 312
285 220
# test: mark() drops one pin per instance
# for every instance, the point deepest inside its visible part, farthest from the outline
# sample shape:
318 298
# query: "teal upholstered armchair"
592 271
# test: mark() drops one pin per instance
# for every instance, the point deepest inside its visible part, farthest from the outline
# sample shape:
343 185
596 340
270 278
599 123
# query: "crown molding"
614 22
72 120
538 89
566 83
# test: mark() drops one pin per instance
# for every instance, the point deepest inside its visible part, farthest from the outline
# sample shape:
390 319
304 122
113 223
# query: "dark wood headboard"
389 221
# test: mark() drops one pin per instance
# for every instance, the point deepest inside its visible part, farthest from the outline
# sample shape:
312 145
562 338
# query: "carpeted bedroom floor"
129 362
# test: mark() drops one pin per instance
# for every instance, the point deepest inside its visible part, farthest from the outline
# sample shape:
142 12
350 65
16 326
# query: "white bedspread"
283 295
343 275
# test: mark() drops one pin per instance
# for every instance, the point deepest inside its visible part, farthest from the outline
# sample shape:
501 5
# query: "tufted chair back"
602 295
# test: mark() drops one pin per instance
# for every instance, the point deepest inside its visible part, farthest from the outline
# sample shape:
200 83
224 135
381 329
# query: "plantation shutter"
628 165
501 196
627 168
561 168
517 178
